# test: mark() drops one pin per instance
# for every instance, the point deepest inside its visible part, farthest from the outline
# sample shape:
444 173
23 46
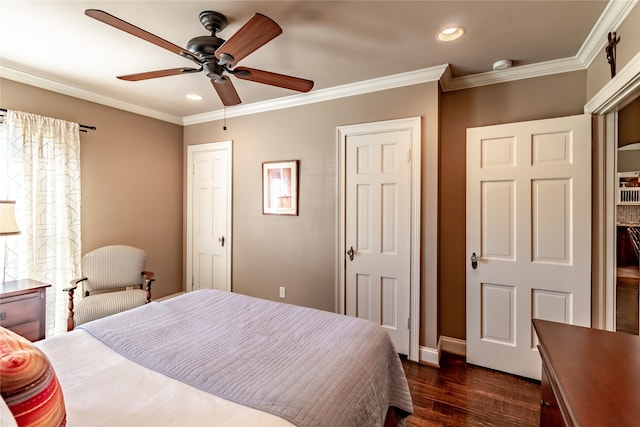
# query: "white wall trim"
613 15
609 218
430 356
618 91
516 73
42 83
425 75
342 132
453 346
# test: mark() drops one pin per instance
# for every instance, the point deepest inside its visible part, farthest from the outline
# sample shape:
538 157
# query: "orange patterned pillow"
28 383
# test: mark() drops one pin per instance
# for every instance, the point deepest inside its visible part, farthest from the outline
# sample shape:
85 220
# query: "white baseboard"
452 345
430 356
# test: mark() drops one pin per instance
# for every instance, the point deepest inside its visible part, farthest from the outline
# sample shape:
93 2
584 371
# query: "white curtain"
41 157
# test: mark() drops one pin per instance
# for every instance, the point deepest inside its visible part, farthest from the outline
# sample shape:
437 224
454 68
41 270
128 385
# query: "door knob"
350 252
221 240
474 261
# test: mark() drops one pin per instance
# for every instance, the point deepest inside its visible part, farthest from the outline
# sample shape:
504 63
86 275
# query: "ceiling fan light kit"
214 56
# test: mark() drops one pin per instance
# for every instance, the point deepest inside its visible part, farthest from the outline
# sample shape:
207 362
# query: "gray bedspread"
310 367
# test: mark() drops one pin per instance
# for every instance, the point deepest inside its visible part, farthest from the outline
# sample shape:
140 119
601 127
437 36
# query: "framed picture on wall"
280 187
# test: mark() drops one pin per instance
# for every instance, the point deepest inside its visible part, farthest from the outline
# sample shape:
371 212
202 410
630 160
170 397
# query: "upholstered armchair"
114 280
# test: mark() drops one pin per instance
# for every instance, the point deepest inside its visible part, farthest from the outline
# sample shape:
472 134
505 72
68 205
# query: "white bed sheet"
103 388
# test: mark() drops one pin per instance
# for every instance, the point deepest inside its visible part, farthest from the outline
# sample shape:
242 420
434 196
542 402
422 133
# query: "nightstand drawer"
19 309
30 330
23 307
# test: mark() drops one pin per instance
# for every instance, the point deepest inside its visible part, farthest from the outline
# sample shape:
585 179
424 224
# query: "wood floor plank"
627 307
457 394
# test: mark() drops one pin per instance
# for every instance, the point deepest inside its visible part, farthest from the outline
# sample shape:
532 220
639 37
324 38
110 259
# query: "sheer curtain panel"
41 158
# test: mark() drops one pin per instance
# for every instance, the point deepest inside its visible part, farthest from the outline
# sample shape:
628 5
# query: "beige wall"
531 99
629 124
131 170
299 252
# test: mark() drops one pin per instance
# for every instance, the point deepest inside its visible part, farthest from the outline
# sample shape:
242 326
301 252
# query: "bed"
218 358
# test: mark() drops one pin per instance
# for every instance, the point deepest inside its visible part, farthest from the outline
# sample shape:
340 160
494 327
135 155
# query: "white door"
529 224
209 217
378 226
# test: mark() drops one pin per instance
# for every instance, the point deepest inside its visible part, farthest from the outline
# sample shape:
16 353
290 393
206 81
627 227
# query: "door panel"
551 206
529 220
498 210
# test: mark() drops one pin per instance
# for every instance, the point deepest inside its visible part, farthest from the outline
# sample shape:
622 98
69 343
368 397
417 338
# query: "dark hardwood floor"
627 307
457 394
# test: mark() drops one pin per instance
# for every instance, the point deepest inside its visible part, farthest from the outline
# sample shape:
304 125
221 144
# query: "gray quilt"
310 367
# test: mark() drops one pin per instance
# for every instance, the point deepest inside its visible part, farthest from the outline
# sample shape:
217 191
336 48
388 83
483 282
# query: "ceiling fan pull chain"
224 123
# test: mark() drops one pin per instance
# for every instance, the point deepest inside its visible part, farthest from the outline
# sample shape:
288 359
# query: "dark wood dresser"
590 377
23 307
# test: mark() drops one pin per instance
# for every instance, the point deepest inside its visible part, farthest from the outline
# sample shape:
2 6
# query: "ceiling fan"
215 56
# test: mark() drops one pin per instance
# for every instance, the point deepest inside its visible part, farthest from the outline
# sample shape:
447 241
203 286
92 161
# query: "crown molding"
432 74
618 91
613 15
540 69
42 83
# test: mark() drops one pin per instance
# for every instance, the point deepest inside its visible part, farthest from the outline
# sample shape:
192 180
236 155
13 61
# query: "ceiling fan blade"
226 91
255 33
140 33
273 79
159 73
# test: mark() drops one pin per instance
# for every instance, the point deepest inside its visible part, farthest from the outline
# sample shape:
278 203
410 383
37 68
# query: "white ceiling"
52 44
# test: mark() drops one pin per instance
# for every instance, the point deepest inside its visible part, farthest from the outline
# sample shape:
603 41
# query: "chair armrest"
74 284
148 276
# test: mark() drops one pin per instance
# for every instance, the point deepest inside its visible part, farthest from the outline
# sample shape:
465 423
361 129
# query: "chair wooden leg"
148 291
70 321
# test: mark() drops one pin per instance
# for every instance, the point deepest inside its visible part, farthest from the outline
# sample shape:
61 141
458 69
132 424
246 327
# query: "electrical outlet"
282 292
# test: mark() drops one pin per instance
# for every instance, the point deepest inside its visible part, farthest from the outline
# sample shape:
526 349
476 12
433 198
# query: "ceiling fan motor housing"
204 46
213 70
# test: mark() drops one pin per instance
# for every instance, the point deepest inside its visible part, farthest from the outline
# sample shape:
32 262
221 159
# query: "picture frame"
280 187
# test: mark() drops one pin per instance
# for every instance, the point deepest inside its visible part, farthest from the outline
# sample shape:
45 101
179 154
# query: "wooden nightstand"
23 307
590 377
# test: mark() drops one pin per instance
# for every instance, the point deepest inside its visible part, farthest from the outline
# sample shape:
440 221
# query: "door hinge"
408 323
409 156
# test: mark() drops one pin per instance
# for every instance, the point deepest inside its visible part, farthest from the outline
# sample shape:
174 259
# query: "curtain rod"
83 128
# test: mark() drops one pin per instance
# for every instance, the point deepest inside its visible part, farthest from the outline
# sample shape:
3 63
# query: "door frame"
343 132
191 150
604 105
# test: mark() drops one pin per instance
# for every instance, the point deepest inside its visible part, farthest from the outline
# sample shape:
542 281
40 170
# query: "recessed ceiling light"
451 33
194 97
